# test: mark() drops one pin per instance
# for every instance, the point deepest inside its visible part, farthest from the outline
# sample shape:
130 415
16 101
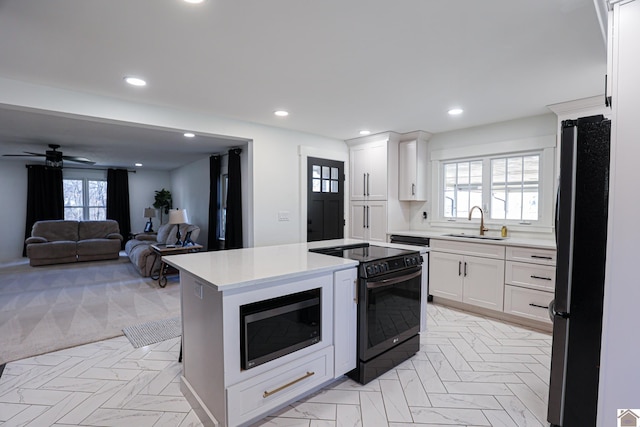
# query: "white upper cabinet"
369 171
412 170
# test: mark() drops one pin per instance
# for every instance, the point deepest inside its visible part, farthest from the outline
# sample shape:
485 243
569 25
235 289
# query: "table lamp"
149 213
178 216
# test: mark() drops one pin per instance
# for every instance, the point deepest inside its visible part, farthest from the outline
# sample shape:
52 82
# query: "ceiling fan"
53 157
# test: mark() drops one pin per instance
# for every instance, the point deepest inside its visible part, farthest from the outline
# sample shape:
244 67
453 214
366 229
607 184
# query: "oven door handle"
393 280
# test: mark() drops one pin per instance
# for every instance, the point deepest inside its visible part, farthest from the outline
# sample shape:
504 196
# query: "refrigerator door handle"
553 312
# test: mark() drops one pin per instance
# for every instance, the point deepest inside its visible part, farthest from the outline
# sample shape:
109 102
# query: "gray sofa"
139 248
61 241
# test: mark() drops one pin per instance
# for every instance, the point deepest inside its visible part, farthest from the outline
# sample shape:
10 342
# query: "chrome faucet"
482 227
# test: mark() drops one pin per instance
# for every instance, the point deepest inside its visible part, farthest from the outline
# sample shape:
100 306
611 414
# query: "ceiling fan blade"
79 160
35 154
17 155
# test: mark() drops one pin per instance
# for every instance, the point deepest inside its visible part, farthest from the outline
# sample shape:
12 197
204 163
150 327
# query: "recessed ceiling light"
138 164
365 132
281 113
194 1
189 135
455 111
135 81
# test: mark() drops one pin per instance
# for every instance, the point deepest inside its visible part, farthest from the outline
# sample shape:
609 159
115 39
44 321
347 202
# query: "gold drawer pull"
282 387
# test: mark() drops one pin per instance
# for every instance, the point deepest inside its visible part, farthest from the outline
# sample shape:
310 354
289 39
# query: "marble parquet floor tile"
470 371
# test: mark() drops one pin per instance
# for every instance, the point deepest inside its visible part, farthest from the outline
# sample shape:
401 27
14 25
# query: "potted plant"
163 202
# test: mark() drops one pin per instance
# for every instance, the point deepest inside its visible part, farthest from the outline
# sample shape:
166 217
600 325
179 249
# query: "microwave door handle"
394 280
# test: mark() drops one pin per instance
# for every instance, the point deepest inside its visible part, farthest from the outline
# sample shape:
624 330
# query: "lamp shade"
178 216
149 213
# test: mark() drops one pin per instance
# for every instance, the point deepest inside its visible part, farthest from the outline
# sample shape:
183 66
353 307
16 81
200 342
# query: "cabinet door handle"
533 276
368 184
282 387
541 257
364 217
368 218
355 291
459 268
364 184
539 306
465 269
413 189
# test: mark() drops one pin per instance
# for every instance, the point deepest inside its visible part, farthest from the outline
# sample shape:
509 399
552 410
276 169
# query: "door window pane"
315 171
326 174
334 173
315 185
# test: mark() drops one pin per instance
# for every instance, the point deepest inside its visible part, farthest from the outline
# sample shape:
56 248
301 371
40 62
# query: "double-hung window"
507 188
513 183
515 188
85 199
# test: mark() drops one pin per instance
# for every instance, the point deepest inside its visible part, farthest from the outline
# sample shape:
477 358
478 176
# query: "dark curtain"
233 230
118 200
214 203
45 198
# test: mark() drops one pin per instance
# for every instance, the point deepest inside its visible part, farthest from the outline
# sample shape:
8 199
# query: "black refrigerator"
581 238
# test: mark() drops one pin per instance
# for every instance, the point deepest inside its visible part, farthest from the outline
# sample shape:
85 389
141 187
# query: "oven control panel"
387 265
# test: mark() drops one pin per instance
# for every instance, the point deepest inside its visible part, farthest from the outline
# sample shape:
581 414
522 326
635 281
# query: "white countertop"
239 268
509 241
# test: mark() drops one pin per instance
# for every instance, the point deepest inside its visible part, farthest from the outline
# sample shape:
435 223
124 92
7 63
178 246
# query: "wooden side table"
164 250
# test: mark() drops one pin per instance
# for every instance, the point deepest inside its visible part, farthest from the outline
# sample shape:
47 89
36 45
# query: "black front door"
325 199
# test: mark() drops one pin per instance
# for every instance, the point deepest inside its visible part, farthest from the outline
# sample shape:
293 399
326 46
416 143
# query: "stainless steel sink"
475 236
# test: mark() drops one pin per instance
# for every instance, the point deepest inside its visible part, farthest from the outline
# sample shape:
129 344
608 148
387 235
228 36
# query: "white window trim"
545 145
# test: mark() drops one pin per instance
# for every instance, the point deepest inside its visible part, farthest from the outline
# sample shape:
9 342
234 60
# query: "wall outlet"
198 290
283 215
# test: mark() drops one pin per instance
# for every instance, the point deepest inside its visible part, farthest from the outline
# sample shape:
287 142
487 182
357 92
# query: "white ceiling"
338 66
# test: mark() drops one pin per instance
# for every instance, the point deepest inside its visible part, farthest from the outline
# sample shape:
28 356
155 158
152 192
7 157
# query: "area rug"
152 332
48 308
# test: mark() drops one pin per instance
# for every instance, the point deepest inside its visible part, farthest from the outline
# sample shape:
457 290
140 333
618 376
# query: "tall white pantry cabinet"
374 170
619 388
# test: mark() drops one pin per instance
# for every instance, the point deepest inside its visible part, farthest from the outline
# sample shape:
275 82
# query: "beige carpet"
49 308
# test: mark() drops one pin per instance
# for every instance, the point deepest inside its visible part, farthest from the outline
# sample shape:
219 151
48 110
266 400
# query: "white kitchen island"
214 285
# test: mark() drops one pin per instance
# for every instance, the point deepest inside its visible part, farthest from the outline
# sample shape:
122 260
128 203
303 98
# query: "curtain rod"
84 169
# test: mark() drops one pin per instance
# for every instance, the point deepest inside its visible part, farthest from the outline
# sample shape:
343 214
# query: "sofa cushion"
55 252
97 229
98 247
164 232
55 230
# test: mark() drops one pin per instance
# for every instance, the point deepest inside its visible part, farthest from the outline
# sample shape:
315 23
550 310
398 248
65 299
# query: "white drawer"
535 276
464 248
255 397
527 303
536 256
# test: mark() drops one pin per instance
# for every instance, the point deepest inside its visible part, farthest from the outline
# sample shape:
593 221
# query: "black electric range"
389 298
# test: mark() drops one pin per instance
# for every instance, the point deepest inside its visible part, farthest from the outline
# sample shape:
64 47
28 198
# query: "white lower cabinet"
345 308
250 399
483 282
529 303
470 279
445 278
530 282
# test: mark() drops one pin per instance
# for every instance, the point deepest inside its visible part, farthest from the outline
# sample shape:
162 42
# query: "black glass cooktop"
374 253
363 252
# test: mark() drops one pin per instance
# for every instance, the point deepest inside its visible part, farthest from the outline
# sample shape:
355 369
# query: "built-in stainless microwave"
275 327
